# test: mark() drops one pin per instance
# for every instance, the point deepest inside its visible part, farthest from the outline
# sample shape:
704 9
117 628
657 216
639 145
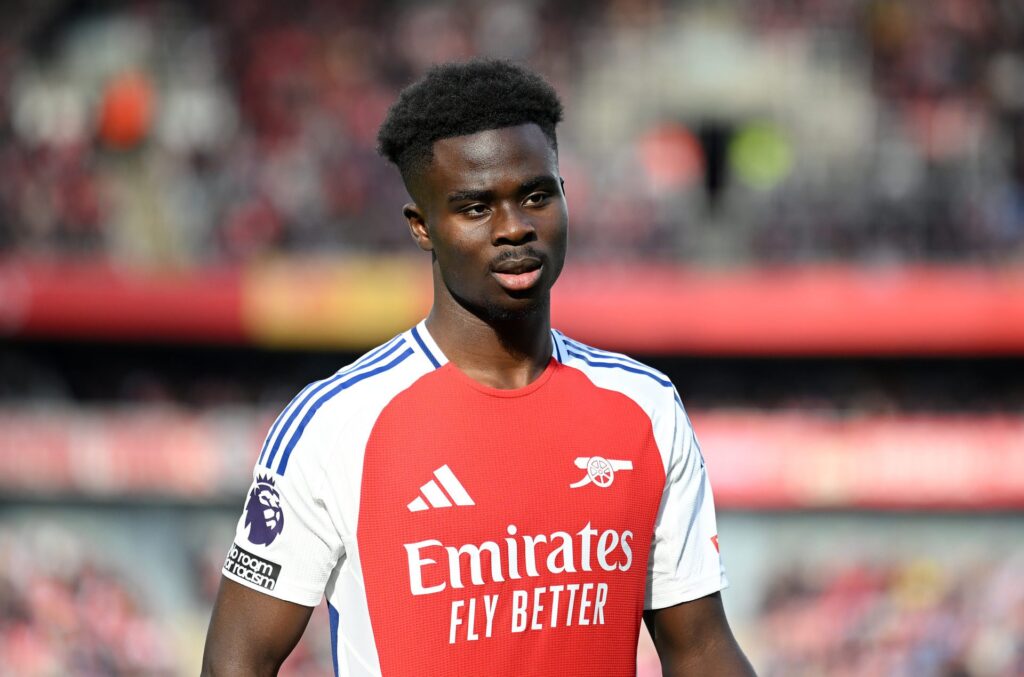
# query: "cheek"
556 231
460 271
461 254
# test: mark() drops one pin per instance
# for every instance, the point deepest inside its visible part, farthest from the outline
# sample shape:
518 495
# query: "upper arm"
251 633
694 638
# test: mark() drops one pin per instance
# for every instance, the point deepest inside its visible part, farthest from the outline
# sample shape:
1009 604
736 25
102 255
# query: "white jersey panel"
684 562
296 537
355 649
286 544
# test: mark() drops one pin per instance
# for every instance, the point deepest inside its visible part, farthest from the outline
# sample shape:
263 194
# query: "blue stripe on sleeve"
606 355
334 619
285 412
618 365
423 347
558 353
327 396
319 388
614 357
281 417
372 354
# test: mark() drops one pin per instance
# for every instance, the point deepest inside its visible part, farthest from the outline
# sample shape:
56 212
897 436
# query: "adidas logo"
436 497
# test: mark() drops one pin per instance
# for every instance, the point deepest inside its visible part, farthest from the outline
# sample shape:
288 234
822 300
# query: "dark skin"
251 633
694 638
487 204
491 197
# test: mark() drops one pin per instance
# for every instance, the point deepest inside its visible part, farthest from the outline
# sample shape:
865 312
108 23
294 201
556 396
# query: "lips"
517 274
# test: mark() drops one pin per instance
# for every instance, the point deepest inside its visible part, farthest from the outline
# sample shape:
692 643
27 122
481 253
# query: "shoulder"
355 394
648 387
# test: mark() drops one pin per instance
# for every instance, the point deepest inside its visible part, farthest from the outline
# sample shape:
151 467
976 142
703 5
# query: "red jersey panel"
508 531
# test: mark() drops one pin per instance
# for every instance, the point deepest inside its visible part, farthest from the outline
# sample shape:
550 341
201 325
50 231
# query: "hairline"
417 168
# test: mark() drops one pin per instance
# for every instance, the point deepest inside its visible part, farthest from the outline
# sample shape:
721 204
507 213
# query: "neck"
499 353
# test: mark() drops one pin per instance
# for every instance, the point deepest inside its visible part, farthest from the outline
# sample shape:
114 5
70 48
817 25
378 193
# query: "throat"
503 355
510 378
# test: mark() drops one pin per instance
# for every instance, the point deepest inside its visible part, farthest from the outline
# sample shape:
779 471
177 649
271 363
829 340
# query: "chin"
514 314
505 306
512 309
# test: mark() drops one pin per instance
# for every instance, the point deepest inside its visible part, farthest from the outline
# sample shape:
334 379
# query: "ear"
418 226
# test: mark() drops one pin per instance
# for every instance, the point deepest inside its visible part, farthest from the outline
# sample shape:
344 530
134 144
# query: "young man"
481 495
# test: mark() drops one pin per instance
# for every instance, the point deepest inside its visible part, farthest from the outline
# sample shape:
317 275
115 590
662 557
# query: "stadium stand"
180 133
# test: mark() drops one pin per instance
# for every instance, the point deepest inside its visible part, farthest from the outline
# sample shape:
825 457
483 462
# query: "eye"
474 211
536 199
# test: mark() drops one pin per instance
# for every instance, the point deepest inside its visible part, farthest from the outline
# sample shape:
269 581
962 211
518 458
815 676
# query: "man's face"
491 208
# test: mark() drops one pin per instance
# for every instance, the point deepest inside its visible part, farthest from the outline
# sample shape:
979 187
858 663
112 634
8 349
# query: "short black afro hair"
456 99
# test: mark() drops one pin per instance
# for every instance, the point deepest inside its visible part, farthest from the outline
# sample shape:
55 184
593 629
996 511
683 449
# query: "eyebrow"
542 181
470 195
486 195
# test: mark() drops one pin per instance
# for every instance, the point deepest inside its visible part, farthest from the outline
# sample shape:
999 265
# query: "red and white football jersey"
458 529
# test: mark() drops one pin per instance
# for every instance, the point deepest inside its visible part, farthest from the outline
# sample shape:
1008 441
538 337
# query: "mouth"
518 274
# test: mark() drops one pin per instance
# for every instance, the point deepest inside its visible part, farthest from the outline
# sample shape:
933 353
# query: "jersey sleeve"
286 544
684 562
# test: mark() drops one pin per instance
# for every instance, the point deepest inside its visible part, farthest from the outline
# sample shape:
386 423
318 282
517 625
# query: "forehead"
487 158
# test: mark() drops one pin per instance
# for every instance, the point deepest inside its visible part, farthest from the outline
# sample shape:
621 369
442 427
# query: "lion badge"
263 513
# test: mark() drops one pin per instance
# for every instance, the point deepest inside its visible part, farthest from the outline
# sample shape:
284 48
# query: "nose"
513 227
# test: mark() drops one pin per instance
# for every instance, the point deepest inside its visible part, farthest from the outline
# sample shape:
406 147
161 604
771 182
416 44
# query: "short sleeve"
684 562
286 544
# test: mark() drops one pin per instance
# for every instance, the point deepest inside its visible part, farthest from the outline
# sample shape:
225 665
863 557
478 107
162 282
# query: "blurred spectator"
919 619
184 133
62 614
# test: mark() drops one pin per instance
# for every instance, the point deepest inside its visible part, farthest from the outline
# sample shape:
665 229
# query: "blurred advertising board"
757 460
353 304
146 453
802 460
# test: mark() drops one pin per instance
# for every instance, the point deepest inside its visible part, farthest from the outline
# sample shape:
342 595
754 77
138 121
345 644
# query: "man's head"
458 99
476 146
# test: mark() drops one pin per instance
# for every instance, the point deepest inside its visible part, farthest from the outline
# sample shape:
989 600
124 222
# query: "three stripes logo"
436 497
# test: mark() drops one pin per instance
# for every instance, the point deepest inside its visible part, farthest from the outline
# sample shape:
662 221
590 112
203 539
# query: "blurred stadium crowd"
63 613
902 618
67 609
783 130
